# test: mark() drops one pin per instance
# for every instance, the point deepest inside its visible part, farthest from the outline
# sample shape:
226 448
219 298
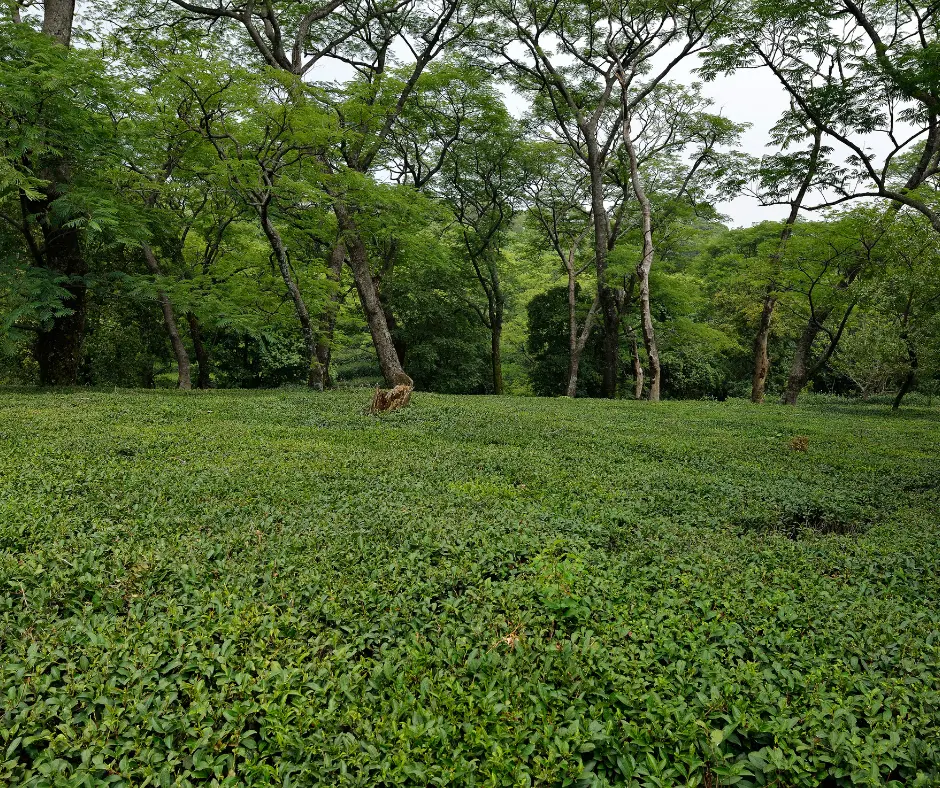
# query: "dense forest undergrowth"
273 587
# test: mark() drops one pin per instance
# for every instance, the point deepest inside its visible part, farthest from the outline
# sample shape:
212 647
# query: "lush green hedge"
274 588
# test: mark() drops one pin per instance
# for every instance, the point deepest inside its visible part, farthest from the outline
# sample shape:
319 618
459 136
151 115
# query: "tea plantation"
273 588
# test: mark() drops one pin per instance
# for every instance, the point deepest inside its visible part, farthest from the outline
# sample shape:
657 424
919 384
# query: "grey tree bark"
57 20
577 337
643 269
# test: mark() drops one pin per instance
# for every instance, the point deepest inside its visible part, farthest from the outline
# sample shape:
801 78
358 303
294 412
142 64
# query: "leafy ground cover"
277 589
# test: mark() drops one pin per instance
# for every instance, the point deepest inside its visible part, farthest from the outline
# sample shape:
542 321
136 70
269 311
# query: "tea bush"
273 588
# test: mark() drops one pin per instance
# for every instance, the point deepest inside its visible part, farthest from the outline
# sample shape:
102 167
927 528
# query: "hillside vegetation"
273 588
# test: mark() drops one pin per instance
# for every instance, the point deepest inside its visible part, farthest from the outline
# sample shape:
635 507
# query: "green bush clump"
273 588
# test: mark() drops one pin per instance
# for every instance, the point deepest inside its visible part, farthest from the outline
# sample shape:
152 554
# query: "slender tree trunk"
637 368
643 269
607 298
204 379
497 303
368 296
179 349
573 363
329 315
300 308
911 372
496 335
761 358
577 338
574 349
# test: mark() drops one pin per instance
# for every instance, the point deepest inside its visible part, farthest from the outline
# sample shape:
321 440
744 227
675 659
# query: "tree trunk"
329 315
204 379
368 296
911 373
577 339
800 369
57 20
761 358
643 269
58 348
573 363
574 349
497 302
606 296
496 334
611 347
637 368
300 308
179 349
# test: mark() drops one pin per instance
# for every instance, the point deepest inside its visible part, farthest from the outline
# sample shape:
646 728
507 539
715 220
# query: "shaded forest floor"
272 587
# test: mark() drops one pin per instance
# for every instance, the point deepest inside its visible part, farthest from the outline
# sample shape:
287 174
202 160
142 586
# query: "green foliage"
548 347
261 588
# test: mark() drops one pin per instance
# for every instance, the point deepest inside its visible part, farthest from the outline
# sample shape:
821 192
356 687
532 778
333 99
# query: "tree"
576 54
777 174
559 224
364 36
262 133
856 72
827 259
51 136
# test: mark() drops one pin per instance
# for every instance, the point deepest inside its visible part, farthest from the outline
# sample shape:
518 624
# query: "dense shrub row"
273 588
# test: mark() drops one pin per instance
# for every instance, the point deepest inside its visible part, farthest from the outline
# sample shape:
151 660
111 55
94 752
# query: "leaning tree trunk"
300 308
761 357
643 269
801 367
204 379
389 362
179 349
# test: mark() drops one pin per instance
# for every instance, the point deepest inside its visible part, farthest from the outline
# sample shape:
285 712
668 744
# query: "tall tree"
776 173
366 37
58 340
573 54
